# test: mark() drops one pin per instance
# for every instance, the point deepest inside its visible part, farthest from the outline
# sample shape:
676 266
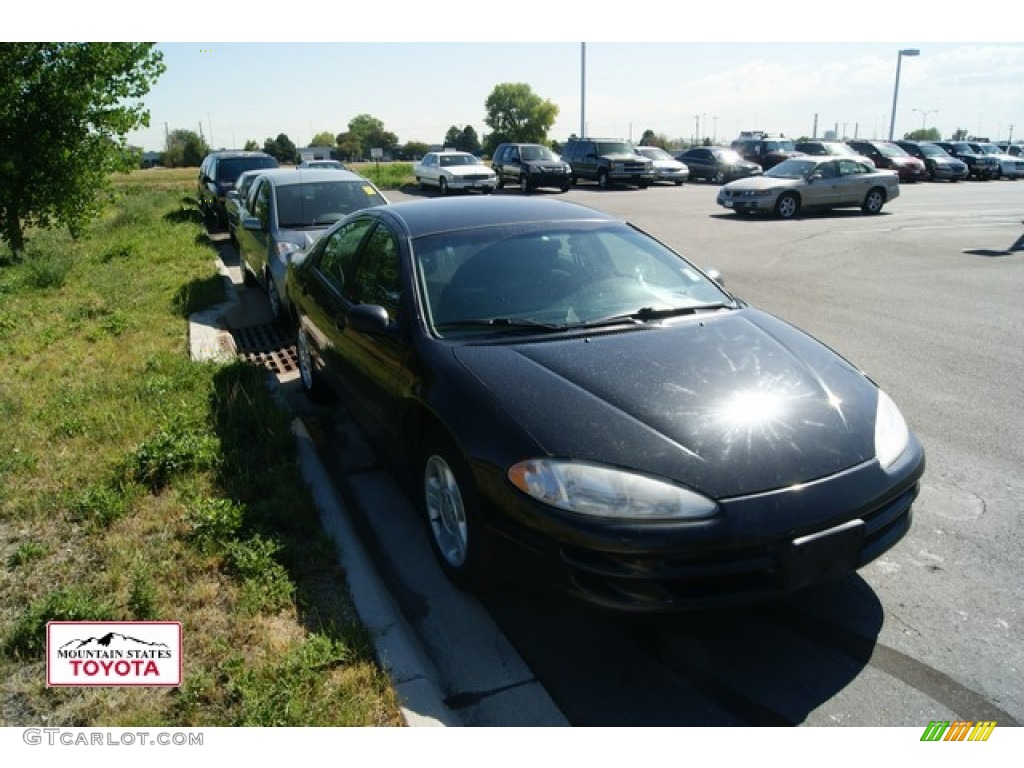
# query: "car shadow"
837 213
766 665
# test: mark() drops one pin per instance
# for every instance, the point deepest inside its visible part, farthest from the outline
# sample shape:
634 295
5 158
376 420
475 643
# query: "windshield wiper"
502 323
648 314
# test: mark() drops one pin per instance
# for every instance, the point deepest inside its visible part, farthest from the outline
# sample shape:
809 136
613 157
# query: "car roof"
284 176
445 214
238 153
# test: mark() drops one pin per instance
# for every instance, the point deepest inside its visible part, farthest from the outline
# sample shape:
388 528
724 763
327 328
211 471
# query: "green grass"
136 484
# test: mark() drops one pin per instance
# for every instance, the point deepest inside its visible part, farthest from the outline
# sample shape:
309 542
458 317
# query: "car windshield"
554 277
319 204
727 155
655 153
891 150
990 149
537 153
779 145
794 168
447 160
614 148
230 168
930 150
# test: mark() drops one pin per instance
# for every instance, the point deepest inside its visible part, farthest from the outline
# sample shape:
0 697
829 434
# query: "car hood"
754 183
729 404
671 165
468 170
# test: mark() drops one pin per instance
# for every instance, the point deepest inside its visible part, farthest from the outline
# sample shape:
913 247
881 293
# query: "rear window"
230 168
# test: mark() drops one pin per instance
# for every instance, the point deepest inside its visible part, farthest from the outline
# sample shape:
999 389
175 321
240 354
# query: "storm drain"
271 346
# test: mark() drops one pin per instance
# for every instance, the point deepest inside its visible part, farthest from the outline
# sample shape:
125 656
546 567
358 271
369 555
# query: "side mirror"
369 318
252 224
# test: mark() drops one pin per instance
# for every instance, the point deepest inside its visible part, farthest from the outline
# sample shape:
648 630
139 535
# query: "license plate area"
823 555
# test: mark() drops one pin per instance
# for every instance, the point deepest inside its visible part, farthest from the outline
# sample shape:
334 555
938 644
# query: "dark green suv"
608 162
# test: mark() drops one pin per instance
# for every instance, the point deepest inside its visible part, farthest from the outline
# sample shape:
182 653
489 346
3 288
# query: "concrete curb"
398 651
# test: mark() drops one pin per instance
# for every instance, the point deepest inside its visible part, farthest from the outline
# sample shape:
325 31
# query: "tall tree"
516 113
185 149
369 132
65 110
281 148
323 139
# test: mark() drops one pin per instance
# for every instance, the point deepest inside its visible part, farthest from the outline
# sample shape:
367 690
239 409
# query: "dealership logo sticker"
113 653
958 730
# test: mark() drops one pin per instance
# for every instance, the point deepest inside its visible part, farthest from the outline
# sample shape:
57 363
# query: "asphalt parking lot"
926 299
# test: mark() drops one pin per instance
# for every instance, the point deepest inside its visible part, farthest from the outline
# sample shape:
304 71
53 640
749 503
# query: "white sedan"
454 170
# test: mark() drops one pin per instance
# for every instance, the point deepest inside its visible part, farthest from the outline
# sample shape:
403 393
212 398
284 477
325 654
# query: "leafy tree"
413 150
251 146
960 134
516 113
185 149
924 134
323 139
281 148
65 109
465 140
366 132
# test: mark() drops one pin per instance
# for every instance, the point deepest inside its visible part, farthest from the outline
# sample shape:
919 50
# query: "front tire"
524 185
311 379
787 206
442 184
873 202
274 299
449 503
602 179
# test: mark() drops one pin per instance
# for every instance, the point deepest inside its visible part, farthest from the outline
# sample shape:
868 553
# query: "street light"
896 89
924 115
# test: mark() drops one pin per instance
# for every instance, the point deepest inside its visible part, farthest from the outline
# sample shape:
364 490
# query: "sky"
678 72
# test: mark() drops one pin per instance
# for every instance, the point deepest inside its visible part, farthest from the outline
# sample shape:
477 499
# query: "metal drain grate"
271 346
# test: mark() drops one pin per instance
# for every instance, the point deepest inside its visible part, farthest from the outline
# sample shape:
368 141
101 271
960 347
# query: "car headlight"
891 432
591 489
759 193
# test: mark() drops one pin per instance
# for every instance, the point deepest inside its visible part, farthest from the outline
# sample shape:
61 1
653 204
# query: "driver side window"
339 253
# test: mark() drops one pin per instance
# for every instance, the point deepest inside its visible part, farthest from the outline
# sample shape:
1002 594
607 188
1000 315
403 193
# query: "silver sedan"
812 182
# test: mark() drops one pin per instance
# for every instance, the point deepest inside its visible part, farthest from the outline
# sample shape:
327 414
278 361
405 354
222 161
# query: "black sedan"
575 404
717 164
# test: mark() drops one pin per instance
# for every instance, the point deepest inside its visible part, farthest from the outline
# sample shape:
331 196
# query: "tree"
924 134
281 148
65 110
368 132
251 146
516 113
323 139
185 149
413 150
465 140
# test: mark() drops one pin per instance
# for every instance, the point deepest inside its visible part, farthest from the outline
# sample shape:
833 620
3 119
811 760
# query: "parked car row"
272 213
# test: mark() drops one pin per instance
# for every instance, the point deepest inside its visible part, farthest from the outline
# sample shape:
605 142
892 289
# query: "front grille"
716 576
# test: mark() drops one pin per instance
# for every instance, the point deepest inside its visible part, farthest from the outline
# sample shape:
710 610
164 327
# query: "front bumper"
758 548
741 202
482 183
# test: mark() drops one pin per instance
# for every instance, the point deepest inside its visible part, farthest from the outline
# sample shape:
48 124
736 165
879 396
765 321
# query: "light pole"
896 89
924 115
